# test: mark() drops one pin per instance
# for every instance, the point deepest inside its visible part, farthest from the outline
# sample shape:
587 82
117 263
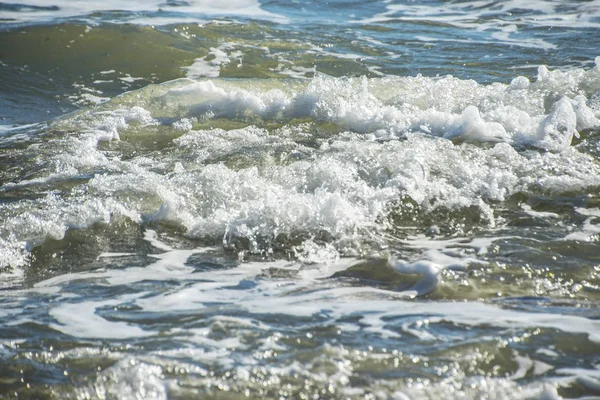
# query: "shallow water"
295 200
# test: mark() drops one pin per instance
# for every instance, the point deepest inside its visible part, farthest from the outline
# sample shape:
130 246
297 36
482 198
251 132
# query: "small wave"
266 166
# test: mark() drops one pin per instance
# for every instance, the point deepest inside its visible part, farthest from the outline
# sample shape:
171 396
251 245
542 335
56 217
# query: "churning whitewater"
334 158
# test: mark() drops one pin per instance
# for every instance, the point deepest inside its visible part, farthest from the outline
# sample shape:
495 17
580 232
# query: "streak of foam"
590 231
502 20
70 315
210 65
443 143
307 294
43 10
251 308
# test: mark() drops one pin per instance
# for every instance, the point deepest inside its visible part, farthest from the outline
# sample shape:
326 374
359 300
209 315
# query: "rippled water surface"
299 200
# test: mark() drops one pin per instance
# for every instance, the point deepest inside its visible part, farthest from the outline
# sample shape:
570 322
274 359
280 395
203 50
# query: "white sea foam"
211 68
427 270
538 214
444 107
501 21
590 230
70 316
305 294
129 379
133 378
257 301
194 10
245 290
397 147
9 129
130 79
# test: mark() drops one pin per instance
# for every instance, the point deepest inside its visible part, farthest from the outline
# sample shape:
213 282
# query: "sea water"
299 200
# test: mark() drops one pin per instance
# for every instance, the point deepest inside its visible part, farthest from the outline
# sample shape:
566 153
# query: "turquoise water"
365 200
